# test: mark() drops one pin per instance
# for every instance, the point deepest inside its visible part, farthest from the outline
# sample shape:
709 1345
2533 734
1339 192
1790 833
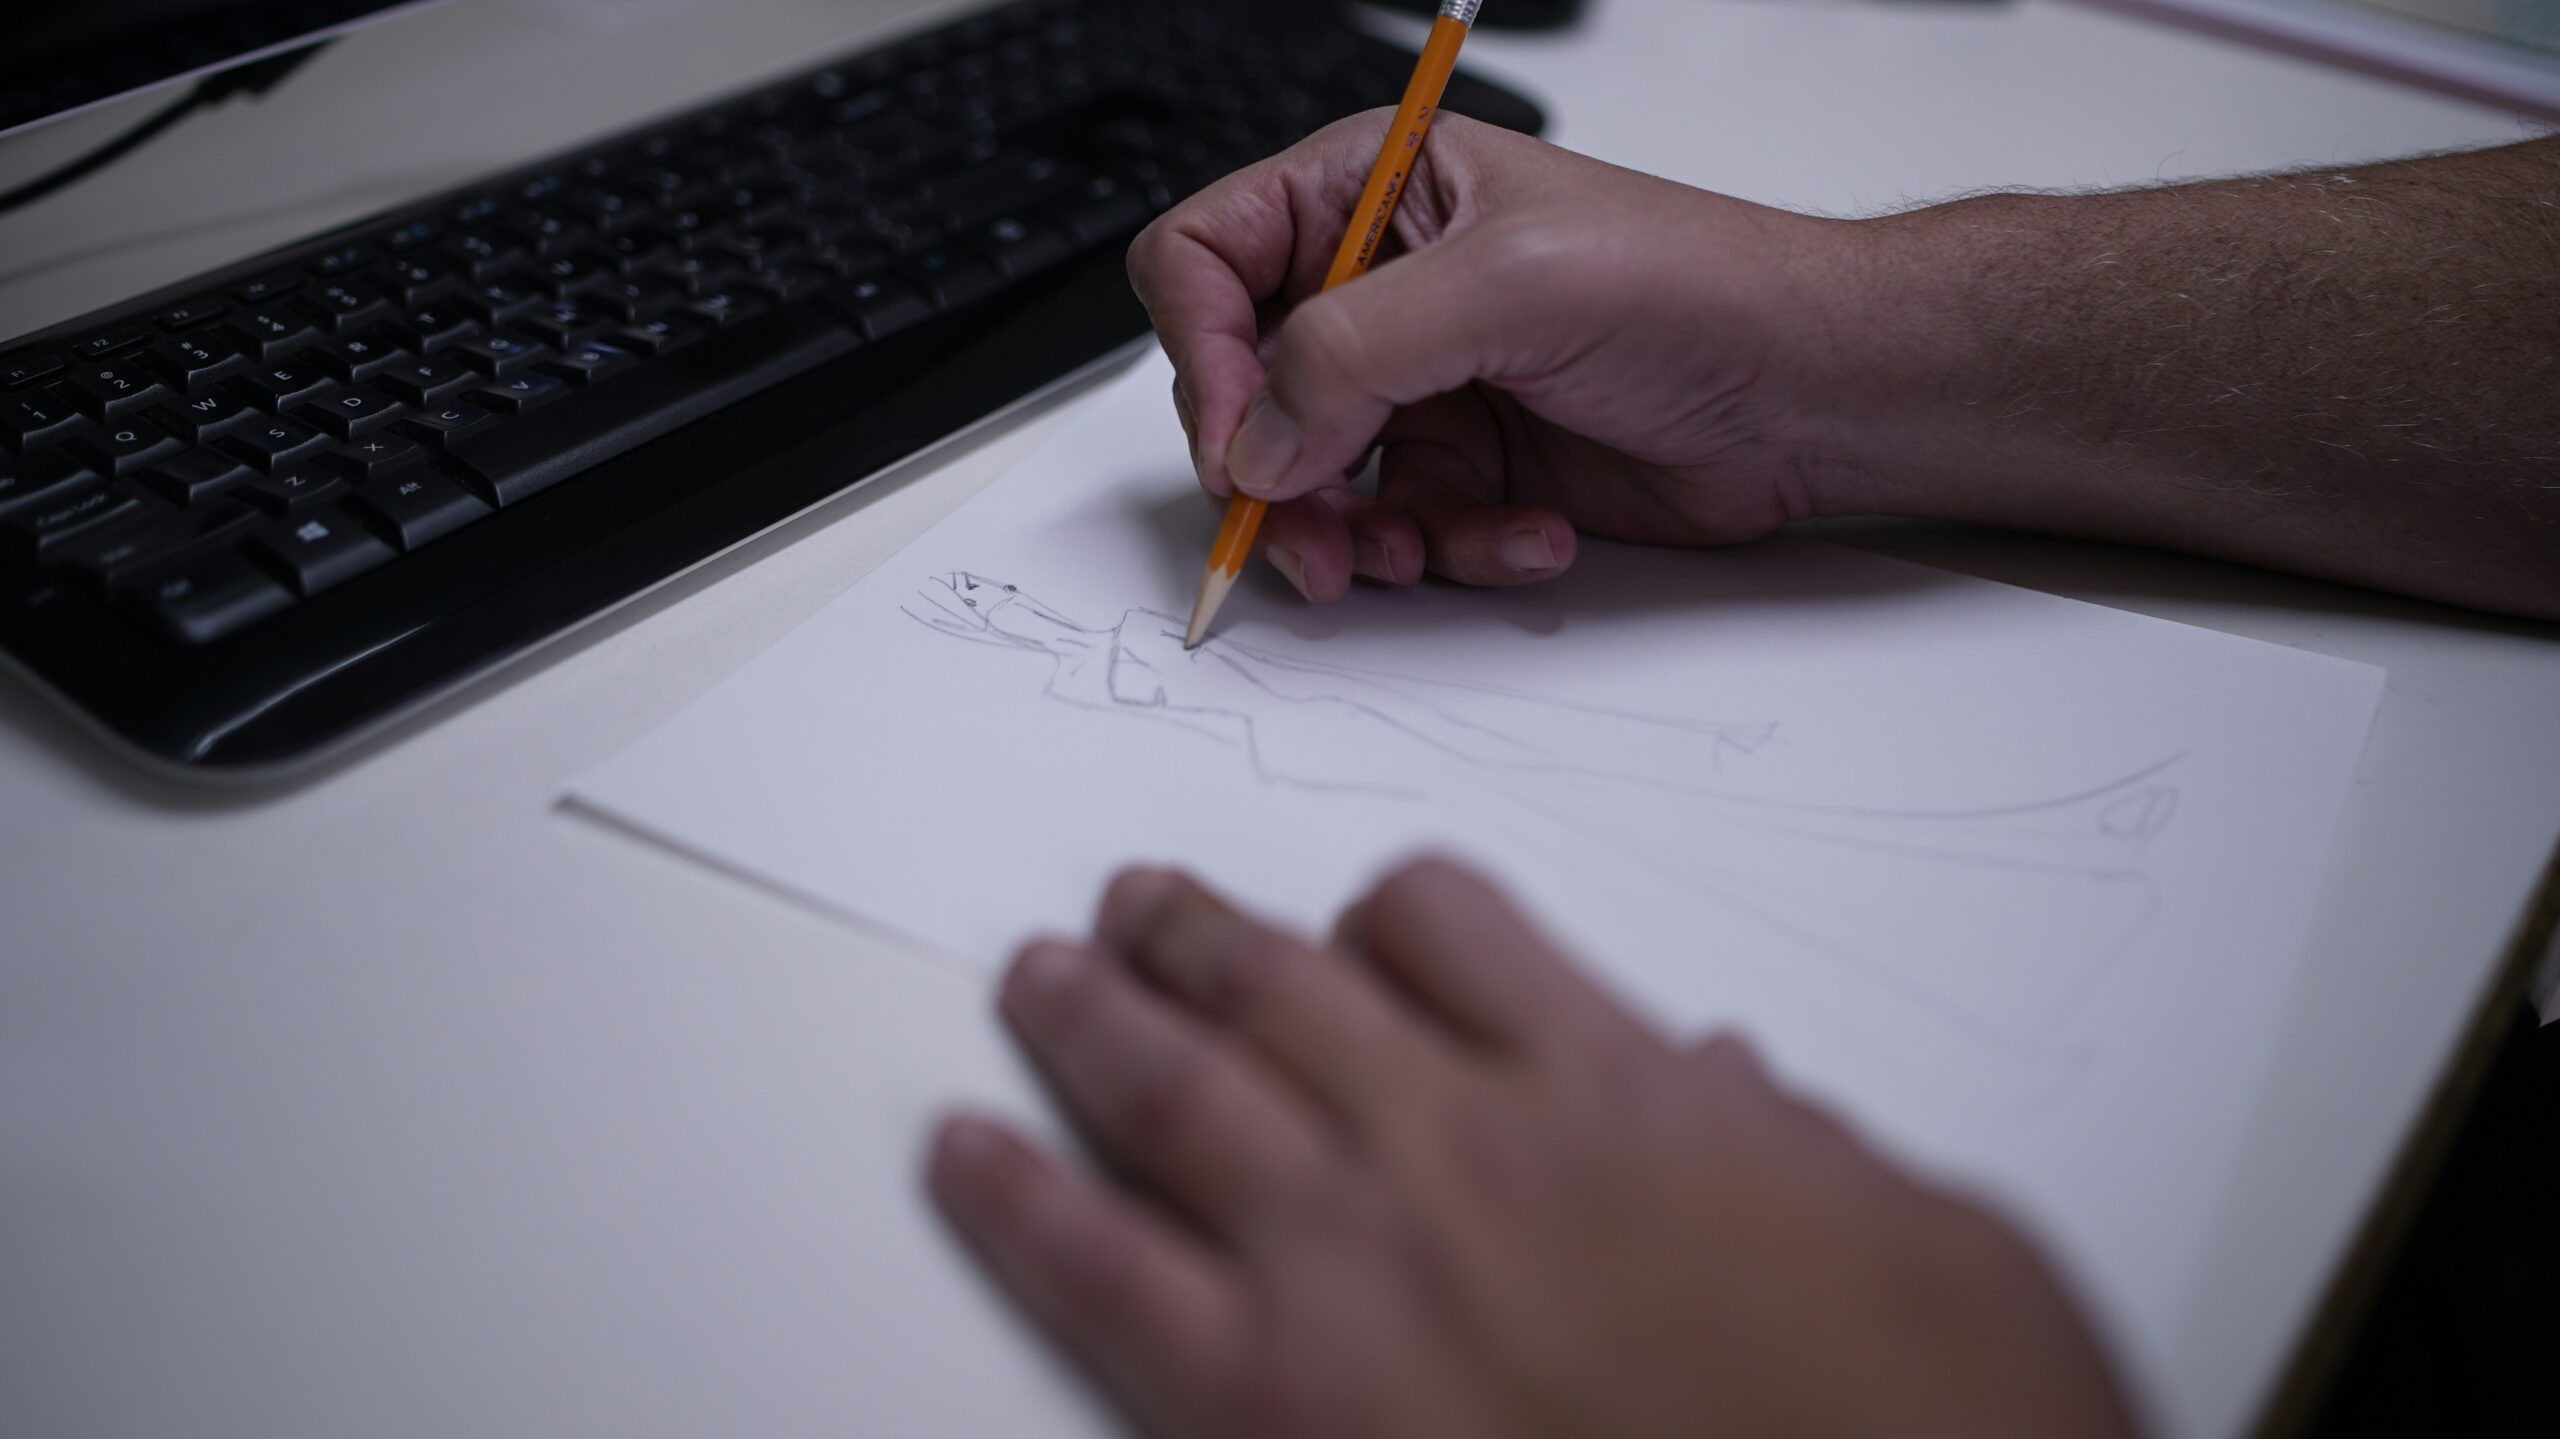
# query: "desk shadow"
2142 579
1608 582
2130 577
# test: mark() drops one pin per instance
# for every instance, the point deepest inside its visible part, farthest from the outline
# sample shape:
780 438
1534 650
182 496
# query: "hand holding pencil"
1560 346
1388 180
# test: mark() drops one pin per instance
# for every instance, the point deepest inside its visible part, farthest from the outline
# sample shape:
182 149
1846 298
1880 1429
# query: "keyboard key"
28 480
27 369
108 342
418 507
787 282
569 274
727 307
47 524
277 388
528 455
206 415
271 333
189 314
359 357
630 299
118 387
881 307
344 305
430 326
273 444
449 423
318 551
112 559
266 287
423 382
291 489
484 255
350 411
194 476
200 600
547 234
191 359
499 354
590 362
658 335
698 274
43 417
522 393
497 301
124 446
410 236
1020 247
373 456
953 277
633 250
340 260
417 279
563 325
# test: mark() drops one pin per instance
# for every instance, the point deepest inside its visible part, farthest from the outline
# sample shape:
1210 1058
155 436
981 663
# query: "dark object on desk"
246 518
58 58
251 77
2460 1336
1508 14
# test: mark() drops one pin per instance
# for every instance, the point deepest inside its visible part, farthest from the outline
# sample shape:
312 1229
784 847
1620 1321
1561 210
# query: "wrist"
1921 403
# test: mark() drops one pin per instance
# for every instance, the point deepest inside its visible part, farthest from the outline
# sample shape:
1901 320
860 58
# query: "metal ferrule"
1462 11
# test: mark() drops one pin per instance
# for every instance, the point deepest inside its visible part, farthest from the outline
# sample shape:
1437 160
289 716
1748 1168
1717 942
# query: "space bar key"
535 451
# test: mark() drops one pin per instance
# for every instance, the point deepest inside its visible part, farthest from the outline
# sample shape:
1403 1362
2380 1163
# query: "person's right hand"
1563 345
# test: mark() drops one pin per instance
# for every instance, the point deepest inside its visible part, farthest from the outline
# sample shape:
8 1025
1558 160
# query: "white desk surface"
403 1103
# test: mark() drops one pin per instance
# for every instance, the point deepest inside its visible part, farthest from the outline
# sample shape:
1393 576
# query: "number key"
191 359
116 388
269 333
33 420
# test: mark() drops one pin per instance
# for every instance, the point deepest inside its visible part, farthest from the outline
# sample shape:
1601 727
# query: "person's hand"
1563 345
1428 1181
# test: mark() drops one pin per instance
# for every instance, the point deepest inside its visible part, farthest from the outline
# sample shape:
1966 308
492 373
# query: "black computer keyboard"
246 519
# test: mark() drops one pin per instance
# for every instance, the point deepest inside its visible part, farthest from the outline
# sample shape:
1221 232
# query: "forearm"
2354 374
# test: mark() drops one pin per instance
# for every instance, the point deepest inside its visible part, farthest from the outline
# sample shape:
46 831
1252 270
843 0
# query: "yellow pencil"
1359 246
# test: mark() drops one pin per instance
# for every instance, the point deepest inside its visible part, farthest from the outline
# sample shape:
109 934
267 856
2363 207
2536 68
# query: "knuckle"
1162 1109
1417 882
1324 341
1276 1398
1255 976
1146 252
1531 255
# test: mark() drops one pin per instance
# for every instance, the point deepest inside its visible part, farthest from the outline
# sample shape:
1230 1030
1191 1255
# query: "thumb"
1344 360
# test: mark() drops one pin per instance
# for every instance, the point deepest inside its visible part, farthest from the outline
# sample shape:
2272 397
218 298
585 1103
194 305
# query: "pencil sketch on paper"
1990 920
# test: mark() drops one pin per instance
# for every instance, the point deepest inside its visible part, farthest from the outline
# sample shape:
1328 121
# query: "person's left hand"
1428 1181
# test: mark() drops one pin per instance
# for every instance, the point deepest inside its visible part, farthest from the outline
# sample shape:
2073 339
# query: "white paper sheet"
2018 882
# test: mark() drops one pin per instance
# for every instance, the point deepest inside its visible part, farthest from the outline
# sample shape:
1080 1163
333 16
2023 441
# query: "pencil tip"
1213 593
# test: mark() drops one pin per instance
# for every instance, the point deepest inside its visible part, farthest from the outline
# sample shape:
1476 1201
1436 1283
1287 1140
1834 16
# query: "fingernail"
1046 968
1528 550
1264 447
966 1147
1374 563
1286 561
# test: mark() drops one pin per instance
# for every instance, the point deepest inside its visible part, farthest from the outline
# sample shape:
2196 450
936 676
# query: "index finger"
1205 268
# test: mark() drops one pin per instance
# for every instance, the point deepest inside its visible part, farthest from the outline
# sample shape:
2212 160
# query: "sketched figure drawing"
1991 919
